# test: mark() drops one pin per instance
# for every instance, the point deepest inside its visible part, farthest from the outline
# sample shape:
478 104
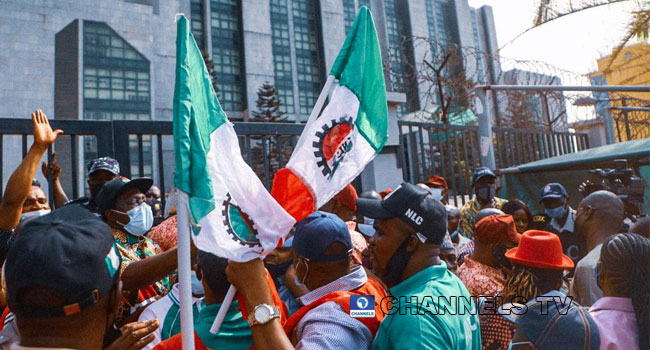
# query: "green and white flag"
335 146
238 218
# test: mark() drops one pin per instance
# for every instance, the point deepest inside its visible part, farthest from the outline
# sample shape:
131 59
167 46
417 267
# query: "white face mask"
436 193
197 286
140 220
35 213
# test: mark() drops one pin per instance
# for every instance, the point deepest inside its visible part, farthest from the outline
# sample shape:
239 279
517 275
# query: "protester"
538 267
599 216
623 313
484 185
365 225
278 262
483 273
167 309
343 204
468 249
448 254
322 245
559 218
98 172
234 332
145 269
153 200
453 217
553 323
520 212
53 171
438 188
642 227
22 200
73 289
411 225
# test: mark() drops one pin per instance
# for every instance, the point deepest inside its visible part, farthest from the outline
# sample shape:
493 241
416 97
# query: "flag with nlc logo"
238 218
335 146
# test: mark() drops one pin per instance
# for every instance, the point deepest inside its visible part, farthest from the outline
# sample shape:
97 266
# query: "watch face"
262 314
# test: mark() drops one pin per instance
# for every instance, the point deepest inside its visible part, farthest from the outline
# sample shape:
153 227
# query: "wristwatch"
263 314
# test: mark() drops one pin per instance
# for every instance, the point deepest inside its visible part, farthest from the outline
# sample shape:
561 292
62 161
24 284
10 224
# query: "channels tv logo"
362 306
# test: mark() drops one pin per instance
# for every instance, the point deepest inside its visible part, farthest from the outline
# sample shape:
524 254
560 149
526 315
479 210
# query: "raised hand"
44 137
52 168
135 335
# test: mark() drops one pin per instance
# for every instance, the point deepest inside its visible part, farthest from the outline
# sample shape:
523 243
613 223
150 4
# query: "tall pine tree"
268 105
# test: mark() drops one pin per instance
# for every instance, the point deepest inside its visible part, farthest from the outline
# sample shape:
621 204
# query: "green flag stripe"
359 68
197 114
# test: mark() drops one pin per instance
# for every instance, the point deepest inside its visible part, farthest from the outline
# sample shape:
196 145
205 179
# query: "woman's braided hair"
529 282
626 258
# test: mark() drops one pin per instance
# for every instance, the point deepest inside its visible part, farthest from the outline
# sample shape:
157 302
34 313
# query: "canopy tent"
525 181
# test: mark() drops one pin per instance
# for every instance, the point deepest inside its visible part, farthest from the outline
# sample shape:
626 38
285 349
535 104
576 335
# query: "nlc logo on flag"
362 306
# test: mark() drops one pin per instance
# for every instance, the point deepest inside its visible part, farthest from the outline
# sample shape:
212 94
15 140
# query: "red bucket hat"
540 249
348 197
496 229
437 181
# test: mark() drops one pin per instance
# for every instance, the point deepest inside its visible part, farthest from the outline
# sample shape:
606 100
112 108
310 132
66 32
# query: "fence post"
486 144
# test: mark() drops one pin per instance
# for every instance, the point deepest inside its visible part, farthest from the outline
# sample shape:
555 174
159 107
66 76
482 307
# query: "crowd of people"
99 272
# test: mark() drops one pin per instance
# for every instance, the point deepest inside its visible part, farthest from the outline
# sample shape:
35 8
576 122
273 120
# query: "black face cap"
413 205
69 251
482 172
112 189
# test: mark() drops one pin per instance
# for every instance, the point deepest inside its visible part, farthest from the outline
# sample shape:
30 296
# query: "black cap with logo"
413 205
482 172
69 251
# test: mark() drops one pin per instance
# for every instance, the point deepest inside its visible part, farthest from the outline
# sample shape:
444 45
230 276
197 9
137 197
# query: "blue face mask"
197 286
556 213
140 220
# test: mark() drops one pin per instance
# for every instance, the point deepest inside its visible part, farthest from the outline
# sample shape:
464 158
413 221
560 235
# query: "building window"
116 86
442 22
477 46
401 59
196 16
306 55
350 10
282 54
227 52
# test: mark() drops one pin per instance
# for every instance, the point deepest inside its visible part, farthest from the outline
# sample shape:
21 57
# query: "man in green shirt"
430 308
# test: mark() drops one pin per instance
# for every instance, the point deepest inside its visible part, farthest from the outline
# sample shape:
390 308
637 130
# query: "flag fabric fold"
352 129
238 218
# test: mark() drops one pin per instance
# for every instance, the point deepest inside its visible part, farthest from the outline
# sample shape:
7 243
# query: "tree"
268 105
269 152
211 71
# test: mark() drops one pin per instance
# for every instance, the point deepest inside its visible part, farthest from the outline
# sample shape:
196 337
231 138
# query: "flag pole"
225 305
184 271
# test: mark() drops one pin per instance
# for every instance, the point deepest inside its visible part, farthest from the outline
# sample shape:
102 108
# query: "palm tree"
548 10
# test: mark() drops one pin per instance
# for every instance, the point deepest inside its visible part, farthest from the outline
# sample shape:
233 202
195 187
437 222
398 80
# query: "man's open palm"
43 134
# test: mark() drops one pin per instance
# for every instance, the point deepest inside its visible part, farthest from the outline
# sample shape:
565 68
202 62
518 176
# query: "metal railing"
143 148
451 151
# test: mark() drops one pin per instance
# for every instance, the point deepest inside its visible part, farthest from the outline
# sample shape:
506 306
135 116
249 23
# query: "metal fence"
143 148
451 151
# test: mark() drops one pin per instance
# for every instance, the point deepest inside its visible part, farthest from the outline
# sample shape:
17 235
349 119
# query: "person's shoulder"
467 206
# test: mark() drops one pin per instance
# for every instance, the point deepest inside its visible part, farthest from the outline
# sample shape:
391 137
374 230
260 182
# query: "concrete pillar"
333 30
384 171
258 48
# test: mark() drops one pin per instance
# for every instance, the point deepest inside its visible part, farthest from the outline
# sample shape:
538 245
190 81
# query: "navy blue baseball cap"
553 190
482 172
70 252
413 205
315 233
104 163
556 323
